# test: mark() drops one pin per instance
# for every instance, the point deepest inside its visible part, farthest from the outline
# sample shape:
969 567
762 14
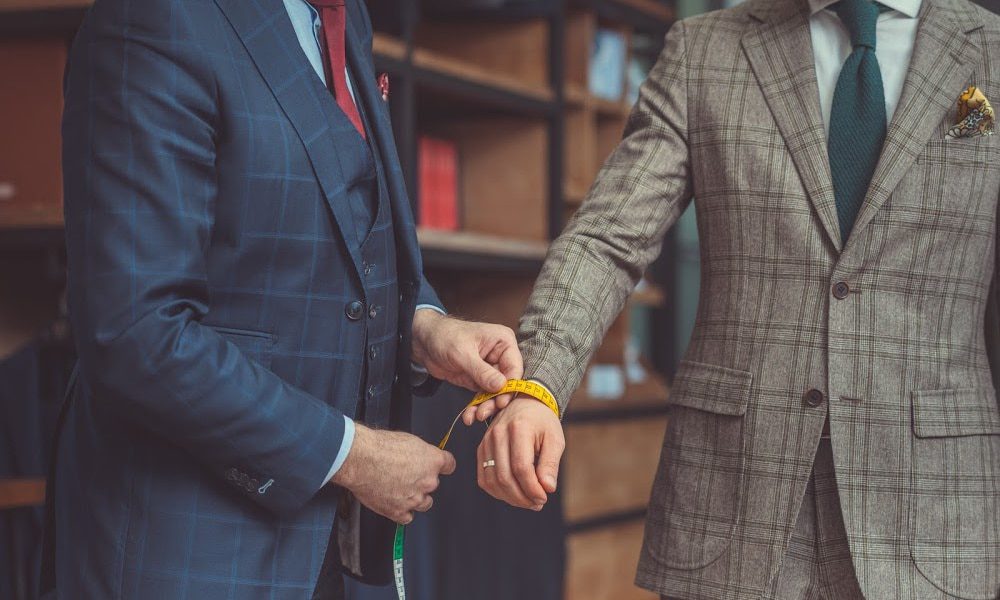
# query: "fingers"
425 504
485 376
510 362
522 464
471 414
404 518
553 444
500 479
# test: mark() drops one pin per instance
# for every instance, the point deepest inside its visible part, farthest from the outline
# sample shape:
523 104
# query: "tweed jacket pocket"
955 491
696 495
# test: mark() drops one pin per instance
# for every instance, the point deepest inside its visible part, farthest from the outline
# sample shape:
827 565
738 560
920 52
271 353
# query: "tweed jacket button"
354 310
814 398
841 290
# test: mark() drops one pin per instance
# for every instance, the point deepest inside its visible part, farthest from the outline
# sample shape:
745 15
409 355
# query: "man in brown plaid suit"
834 430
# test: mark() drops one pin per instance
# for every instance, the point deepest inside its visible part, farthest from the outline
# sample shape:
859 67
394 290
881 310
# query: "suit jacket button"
372 353
373 311
841 290
354 310
371 391
814 398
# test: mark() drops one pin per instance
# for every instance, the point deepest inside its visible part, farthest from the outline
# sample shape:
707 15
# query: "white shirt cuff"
431 307
345 449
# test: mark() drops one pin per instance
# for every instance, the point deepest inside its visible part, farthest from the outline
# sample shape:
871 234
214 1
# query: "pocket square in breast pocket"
975 115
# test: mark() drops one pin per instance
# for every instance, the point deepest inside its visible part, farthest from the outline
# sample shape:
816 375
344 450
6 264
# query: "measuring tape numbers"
514 386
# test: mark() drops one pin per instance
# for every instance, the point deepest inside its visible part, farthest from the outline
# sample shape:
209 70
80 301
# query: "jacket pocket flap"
955 412
711 388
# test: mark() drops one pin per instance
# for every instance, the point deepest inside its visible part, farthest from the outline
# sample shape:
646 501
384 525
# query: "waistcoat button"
354 310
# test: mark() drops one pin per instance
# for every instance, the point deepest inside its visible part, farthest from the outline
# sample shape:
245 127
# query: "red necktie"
333 15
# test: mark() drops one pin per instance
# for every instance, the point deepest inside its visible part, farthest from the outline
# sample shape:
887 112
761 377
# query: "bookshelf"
510 88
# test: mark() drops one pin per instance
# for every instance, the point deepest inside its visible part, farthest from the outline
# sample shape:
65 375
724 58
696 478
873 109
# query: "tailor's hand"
393 473
476 356
524 430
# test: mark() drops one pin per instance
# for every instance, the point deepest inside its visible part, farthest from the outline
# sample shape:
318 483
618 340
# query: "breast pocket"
955 491
697 491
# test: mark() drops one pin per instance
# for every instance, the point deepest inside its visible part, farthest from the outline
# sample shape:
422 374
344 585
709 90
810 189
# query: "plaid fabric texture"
730 115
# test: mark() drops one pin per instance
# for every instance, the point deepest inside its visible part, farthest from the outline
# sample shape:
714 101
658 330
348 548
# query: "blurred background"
503 111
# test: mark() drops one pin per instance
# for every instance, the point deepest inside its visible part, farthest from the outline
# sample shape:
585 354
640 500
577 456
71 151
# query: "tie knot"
860 17
319 4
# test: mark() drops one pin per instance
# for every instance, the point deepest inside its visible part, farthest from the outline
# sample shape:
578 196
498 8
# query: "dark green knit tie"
857 120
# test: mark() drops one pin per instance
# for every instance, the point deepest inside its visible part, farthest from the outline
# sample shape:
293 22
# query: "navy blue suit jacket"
209 273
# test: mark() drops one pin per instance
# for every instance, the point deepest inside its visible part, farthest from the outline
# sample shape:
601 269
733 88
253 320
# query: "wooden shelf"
647 398
471 250
436 63
576 96
656 10
10 6
21 493
640 14
387 46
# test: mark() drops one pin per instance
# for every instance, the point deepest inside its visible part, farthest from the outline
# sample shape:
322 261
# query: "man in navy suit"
246 290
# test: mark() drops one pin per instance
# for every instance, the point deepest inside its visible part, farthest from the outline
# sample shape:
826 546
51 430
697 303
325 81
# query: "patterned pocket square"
975 115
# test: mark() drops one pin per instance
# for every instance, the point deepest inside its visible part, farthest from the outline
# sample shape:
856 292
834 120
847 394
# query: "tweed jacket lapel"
779 48
944 57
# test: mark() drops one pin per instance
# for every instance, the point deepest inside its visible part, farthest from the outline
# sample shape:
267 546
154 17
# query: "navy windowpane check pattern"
206 167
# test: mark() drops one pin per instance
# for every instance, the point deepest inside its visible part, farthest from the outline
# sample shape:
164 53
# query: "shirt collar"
910 8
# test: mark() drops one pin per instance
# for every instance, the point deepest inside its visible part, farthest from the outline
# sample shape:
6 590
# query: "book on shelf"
30 113
438 195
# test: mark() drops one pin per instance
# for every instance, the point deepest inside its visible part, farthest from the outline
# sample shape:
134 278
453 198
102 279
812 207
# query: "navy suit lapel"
366 92
267 34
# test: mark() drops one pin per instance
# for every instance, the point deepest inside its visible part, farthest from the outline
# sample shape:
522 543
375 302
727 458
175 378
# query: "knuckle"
523 470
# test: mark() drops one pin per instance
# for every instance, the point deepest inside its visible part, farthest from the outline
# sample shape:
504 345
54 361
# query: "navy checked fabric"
212 259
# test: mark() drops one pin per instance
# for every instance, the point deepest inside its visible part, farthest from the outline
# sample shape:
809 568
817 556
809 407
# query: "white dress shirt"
895 34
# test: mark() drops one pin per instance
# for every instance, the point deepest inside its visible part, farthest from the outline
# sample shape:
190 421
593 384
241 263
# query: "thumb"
484 375
548 462
448 466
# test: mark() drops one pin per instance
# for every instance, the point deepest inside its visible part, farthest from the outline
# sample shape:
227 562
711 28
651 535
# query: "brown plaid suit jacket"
730 115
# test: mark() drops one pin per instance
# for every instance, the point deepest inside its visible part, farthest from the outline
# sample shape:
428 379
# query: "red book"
438 184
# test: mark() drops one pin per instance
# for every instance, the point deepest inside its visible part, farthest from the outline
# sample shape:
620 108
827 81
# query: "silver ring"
489 463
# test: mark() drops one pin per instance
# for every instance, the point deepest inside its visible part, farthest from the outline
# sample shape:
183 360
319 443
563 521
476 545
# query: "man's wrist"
346 444
347 475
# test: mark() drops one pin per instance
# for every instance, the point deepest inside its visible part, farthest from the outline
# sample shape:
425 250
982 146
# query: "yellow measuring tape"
514 386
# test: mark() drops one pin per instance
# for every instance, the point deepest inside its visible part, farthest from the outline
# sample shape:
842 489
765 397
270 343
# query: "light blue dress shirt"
306 22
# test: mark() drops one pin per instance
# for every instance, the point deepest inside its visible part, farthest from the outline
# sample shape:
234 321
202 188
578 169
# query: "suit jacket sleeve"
139 130
594 265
